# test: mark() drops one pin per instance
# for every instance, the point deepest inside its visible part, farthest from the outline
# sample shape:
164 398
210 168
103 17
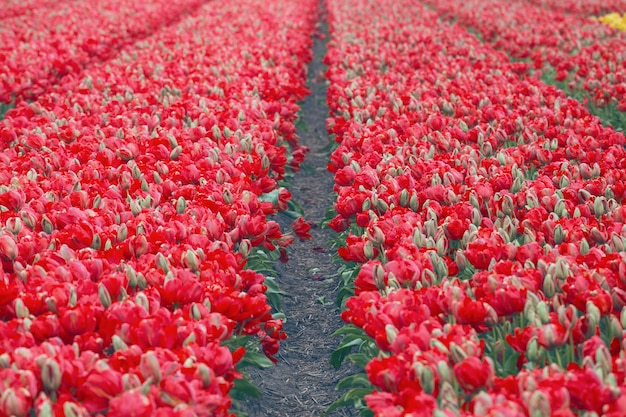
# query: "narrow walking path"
303 381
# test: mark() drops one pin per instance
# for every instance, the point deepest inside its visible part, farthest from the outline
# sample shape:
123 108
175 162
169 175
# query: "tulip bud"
149 366
598 206
14 225
227 196
132 276
205 375
584 247
161 262
194 312
539 405
21 311
593 316
559 234
378 275
51 375
391 332
376 235
404 198
8 248
118 343
181 205
105 297
5 361
71 409
368 250
73 297
426 378
142 300
192 260
414 203
549 286
189 339
532 349
457 352
176 153
562 269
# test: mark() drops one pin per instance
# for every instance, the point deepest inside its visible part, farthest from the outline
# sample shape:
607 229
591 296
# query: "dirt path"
302 382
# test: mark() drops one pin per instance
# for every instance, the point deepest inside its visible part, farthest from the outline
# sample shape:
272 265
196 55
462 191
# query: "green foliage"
4 108
359 349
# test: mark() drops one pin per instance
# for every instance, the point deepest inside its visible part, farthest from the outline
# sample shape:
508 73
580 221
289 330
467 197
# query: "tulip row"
574 50
14 8
131 202
38 48
482 225
584 8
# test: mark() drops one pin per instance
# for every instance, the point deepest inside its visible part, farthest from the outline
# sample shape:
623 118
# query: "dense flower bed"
584 8
581 52
482 216
130 202
47 43
14 8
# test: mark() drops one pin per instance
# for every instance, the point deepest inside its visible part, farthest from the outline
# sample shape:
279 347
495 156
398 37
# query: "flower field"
133 195
479 180
482 216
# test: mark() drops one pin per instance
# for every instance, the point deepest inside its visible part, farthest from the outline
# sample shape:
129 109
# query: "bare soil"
303 381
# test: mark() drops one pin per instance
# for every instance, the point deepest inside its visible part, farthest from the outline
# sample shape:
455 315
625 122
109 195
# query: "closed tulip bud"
584 247
73 299
162 262
5 361
118 343
149 367
176 153
378 275
425 376
8 248
194 312
404 198
104 296
71 409
598 206
391 332
131 382
559 234
135 207
562 270
593 315
414 203
45 408
508 207
132 276
457 352
368 250
142 300
29 219
51 375
21 311
12 404
543 311
181 205
392 281
244 247
192 260
14 225
449 399
549 286
539 405
603 359
205 375
532 349
189 339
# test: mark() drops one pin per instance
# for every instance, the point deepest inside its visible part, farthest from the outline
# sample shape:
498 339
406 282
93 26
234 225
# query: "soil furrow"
303 381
